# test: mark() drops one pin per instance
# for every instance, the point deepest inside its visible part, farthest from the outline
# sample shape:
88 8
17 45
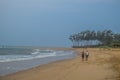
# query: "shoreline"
11 67
71 69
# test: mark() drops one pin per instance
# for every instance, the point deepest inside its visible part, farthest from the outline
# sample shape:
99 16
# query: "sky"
49 23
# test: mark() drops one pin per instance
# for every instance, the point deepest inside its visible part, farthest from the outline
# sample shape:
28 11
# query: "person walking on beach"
83 55
87 55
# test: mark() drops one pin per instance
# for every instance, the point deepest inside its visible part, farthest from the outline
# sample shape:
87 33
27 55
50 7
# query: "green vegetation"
95 39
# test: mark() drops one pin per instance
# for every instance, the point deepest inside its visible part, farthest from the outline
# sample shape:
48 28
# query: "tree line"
93 38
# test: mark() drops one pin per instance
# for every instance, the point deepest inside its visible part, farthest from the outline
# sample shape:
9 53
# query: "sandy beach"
96 68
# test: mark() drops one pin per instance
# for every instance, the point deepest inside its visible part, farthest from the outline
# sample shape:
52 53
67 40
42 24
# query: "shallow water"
29 58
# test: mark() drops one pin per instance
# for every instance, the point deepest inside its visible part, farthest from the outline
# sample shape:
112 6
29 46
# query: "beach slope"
95 68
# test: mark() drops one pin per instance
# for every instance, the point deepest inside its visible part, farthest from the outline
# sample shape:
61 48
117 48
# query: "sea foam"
35 54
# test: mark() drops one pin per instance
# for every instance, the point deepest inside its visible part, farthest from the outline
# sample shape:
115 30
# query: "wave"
34 55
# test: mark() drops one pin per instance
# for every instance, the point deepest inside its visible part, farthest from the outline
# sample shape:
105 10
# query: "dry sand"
95 68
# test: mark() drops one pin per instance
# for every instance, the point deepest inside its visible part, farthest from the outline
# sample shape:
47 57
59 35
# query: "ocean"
17 59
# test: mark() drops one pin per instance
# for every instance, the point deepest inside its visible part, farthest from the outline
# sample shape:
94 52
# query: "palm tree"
88 38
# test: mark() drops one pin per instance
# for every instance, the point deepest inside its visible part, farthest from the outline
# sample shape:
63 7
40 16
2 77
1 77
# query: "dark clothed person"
83 55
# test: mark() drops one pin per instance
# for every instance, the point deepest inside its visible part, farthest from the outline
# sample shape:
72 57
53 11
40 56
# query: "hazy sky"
50 22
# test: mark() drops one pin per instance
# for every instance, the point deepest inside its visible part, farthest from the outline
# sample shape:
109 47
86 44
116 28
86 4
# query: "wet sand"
96 68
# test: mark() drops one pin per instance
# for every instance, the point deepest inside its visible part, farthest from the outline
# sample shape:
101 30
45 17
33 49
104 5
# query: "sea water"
16 59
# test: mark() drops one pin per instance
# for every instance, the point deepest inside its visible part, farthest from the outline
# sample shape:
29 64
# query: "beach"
97 67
